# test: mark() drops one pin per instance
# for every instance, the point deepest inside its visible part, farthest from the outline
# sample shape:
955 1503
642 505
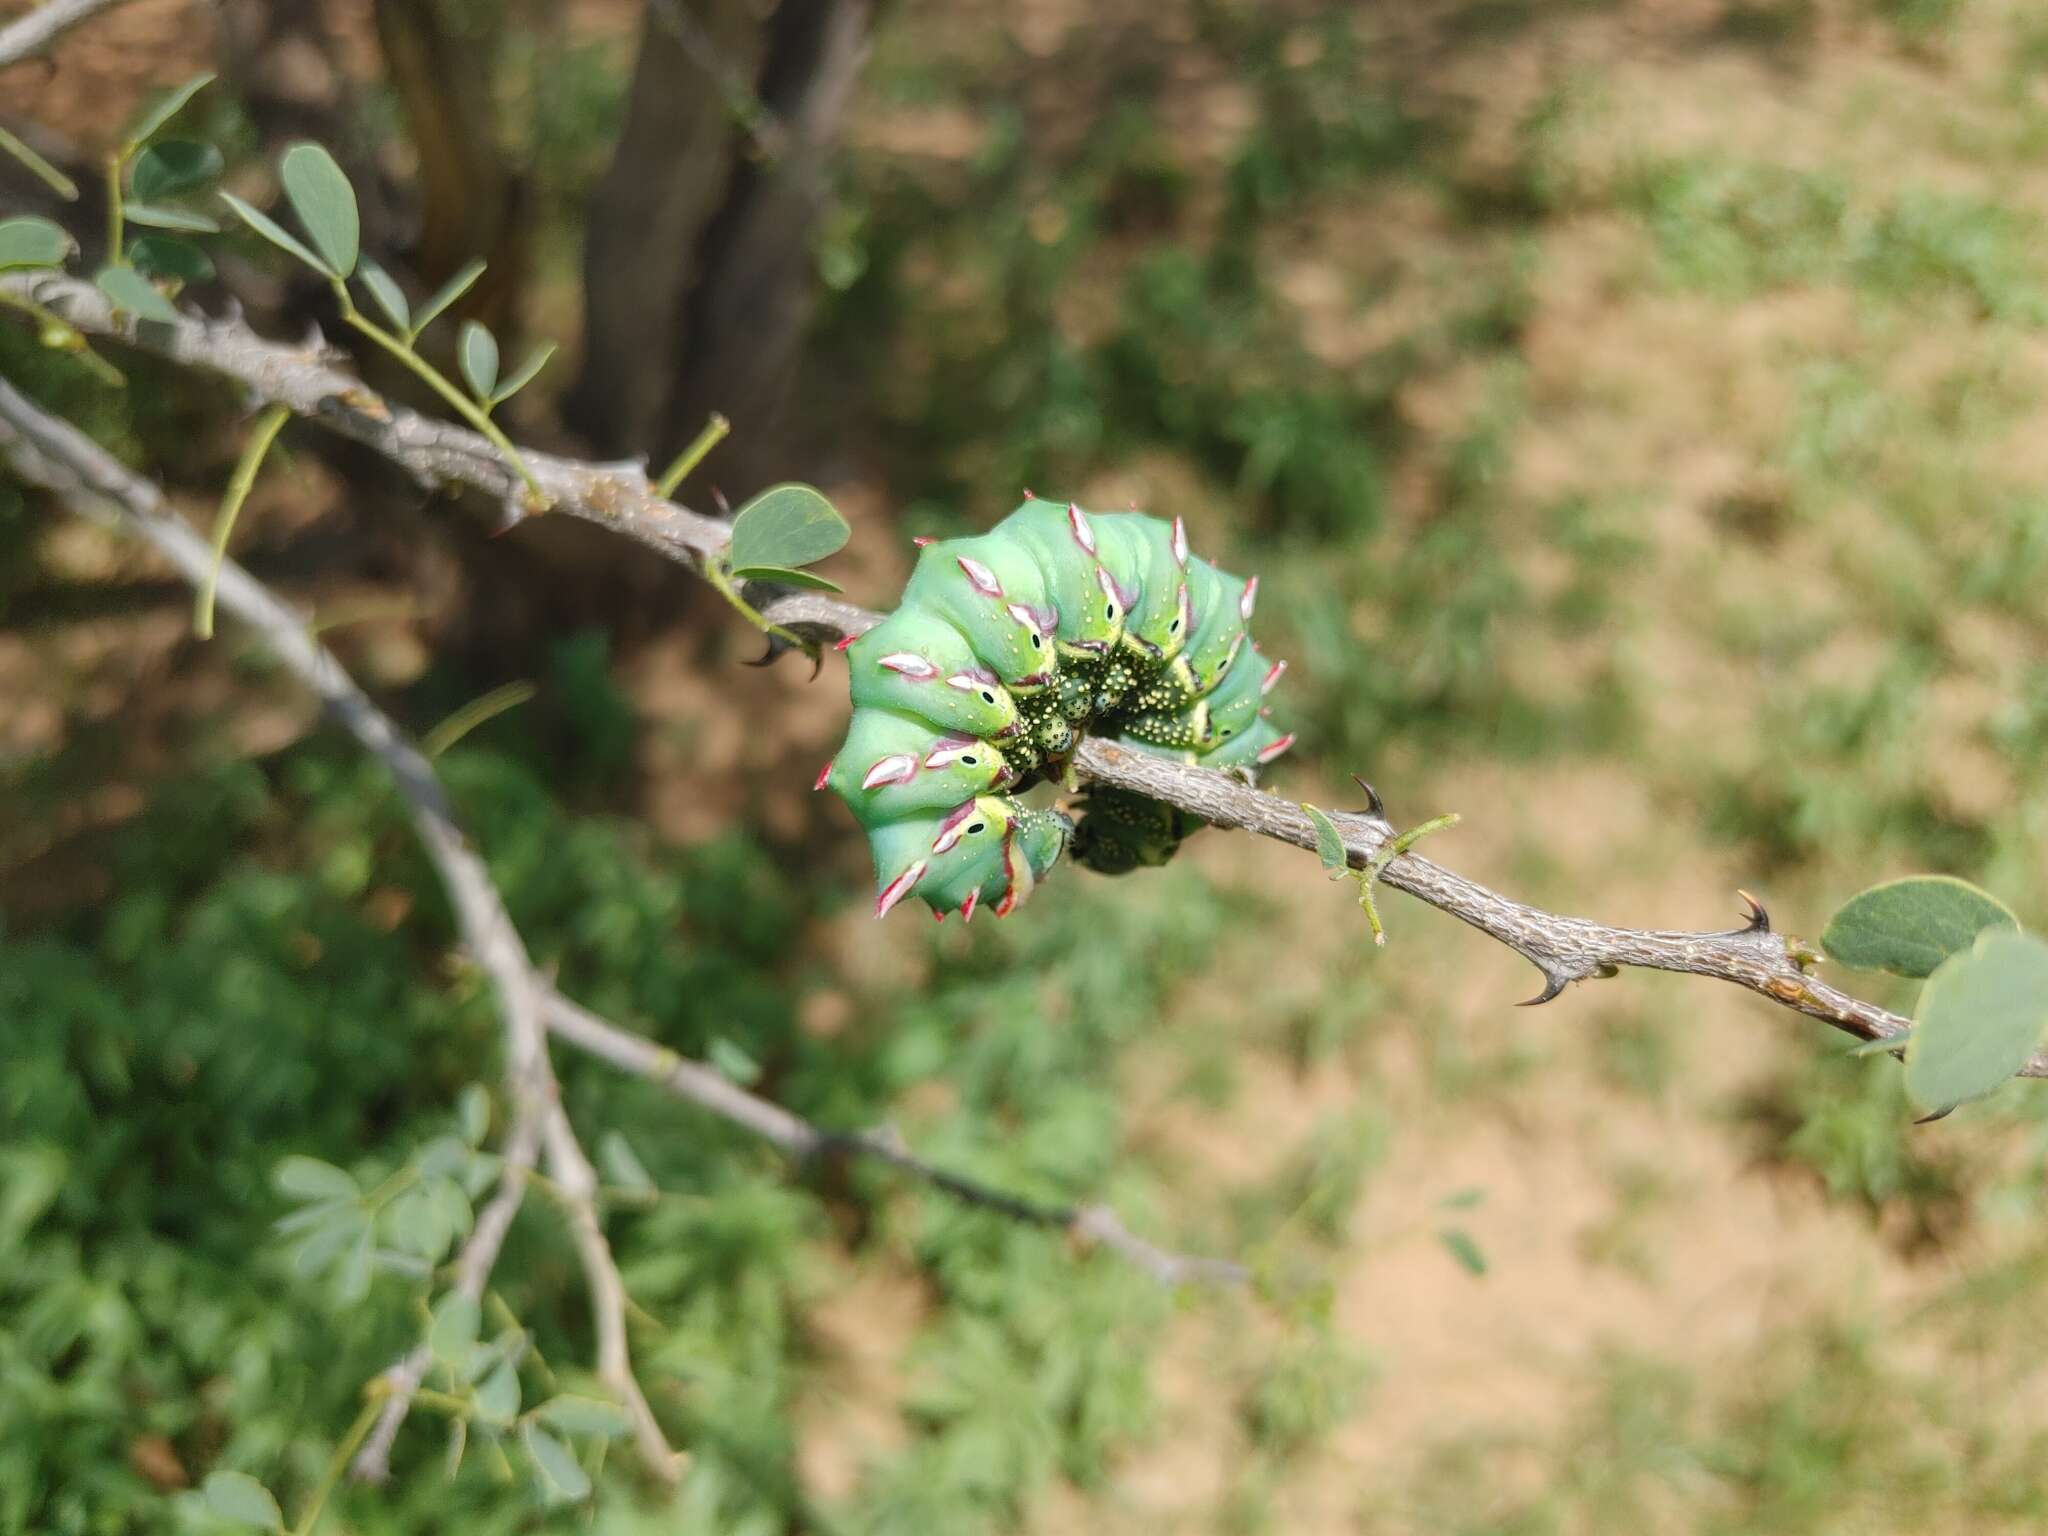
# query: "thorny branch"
621 497
51 453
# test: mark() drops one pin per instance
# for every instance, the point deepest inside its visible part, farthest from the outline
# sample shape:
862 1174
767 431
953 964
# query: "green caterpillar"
1006 650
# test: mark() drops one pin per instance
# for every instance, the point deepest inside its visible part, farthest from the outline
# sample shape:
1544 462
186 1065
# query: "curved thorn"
1552 985
1374 805
767 658
1939 1114
1758 920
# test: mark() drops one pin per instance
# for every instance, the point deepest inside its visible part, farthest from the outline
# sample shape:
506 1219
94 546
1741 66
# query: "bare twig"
473 1264
55 454
802 1141
29 35
575 1184
770 136
620 496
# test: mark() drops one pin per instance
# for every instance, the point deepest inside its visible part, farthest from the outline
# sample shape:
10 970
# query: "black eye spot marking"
1036 643
987 697
1109 612
970 760
1173 628
979 826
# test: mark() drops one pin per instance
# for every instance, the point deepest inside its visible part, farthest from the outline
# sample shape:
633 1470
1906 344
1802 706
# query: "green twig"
473 714
240 483
719 574
54 331
115 213
1391 850
427 373
713 434
336 1465
40 168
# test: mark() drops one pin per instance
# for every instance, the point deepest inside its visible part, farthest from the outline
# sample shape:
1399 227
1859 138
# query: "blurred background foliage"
1629 406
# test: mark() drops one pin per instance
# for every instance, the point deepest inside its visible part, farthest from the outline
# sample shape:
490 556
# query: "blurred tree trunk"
698 276
472 202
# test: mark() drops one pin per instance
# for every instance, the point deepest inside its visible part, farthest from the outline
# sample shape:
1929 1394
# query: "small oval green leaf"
733 1061
524 375
355 1269
389 296
307 1178
1981 1017
497 1398
575 1415
341 1226
1329 842
321 196
275 233
416 1225
782 575
478 351
173 167
452 1334
158 217
559 1472
162 256
452 1206
787 526
1908 927
622 1166
238 1497
28 241
1464 1249
447 294
131 291
166 109
473 1113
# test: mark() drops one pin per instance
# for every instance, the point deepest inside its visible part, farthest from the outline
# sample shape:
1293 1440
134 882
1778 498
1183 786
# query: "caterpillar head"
988 850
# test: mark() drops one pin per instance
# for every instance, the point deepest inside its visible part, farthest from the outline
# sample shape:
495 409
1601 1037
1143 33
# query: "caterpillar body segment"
989 851
1066 546
1158 622
995 595
1010 647
1237 698
916 663
1220 613
898 765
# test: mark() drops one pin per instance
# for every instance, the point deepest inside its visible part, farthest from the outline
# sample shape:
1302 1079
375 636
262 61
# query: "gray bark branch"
620 497
28 35
51 453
